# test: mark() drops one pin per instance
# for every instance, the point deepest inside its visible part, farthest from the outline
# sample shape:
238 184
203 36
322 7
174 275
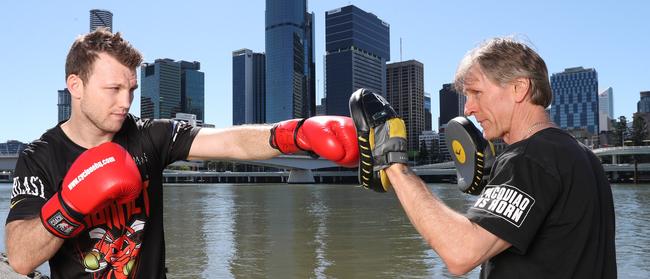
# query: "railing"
622 150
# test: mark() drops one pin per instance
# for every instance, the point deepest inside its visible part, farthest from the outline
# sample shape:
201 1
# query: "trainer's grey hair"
505 59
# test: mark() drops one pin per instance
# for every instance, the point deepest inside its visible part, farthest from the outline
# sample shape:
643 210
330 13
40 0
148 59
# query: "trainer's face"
107 95
489 102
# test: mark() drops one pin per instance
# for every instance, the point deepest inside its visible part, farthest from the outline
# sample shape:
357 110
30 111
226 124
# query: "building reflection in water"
294 231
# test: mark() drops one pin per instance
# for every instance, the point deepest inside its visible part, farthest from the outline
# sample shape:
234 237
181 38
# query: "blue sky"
611 36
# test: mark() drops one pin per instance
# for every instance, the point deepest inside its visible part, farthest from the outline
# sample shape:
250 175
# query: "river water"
331 231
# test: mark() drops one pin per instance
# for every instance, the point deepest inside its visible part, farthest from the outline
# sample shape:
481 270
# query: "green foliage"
425 157
620 131
639 131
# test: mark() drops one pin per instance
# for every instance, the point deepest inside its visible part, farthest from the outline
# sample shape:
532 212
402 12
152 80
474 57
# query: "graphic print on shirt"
505 201
115 234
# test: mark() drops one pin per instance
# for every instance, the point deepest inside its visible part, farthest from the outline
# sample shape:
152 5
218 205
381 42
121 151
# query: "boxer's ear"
75 84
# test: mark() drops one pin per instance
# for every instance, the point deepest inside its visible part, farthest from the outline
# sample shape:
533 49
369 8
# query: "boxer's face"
108 93
489 102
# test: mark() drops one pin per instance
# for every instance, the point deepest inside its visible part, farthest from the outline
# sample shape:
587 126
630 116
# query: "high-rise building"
320 109
605 109
289 50
170 87
431 141
427 112
64 104
405 92
575 100
357 46
160 89
248 87
192 89
643 105
606 102
452 104
100 18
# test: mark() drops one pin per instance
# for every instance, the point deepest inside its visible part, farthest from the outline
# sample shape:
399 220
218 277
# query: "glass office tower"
405 92
357 45
193 89
289 60
575 99
170 87
248 87
101 18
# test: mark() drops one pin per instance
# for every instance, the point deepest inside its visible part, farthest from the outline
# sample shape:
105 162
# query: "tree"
639 130
424 154
436 157
620 130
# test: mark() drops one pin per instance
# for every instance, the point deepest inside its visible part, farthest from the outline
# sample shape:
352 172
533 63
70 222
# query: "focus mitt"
473 155
381 136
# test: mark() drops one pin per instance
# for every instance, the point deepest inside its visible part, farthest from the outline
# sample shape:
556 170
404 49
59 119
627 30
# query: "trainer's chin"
487 135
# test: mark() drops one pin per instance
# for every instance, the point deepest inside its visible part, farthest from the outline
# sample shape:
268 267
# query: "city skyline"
437 34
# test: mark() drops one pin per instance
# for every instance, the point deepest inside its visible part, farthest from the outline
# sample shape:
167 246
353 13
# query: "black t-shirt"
549 197
121 240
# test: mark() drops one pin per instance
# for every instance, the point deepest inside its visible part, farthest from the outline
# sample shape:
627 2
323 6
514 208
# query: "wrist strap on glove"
284 137
61 220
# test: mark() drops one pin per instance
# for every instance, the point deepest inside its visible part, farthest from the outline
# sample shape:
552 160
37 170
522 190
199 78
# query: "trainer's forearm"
29 244
448 232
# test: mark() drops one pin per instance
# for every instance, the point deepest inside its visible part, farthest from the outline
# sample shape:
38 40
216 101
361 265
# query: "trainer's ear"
75 85
521 87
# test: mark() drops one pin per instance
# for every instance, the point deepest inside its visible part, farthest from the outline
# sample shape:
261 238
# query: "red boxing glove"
331 137
99 176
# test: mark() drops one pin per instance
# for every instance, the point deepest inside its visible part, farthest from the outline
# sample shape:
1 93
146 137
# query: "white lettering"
517 200
493 205
508 194
28 185
15 188
506 202
501 207
509 209
517 214
481 202
495 193
501 193
488 192
95 166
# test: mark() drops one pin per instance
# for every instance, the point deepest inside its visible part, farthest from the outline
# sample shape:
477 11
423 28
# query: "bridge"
8 162
303 169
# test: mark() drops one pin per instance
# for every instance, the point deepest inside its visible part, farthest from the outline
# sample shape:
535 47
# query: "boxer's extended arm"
461 244
332 137
29 244
246 142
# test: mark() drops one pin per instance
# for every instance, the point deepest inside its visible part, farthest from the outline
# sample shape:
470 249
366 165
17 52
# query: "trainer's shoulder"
551 150
557 148
553 141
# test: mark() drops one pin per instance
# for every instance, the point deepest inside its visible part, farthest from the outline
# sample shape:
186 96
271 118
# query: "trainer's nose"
470 105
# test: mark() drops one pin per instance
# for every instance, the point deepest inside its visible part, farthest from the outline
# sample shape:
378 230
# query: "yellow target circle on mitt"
459 151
